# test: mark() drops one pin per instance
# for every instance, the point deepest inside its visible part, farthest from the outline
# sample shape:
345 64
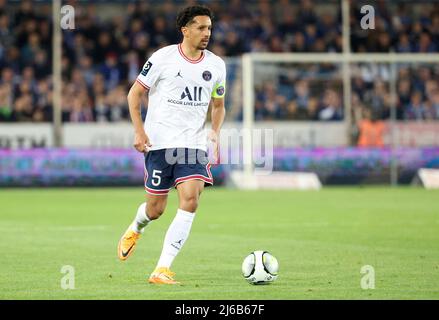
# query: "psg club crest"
207 75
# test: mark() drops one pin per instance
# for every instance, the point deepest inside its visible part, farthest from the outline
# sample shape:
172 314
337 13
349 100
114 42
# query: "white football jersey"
180 90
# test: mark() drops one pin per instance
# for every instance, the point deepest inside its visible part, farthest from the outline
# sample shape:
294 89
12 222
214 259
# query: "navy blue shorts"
166 168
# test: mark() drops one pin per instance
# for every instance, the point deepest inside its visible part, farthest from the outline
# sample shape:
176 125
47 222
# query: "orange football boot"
162 276
127 244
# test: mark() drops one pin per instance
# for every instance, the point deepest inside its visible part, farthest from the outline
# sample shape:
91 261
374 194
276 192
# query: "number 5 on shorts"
155 175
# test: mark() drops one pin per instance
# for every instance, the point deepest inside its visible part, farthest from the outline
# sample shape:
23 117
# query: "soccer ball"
260 267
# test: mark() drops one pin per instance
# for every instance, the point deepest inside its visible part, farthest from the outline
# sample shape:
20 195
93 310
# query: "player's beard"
202 45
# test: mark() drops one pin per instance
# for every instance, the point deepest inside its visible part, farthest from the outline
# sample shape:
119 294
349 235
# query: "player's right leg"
158 182
150 210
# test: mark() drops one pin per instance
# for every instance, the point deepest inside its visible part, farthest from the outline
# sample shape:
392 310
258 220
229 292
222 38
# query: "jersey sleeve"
150 72
219 89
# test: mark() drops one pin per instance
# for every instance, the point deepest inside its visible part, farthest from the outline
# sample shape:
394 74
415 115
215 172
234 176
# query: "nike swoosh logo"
124 254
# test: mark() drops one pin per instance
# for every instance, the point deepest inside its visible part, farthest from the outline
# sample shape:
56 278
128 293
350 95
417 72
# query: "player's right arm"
141 140
146 79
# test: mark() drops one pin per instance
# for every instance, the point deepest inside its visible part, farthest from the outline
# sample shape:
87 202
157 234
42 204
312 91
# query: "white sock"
175 237
141 220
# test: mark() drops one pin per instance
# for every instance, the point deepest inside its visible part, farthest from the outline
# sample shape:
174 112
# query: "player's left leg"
189 194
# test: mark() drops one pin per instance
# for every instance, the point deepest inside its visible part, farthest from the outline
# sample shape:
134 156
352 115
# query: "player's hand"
141 142
214 145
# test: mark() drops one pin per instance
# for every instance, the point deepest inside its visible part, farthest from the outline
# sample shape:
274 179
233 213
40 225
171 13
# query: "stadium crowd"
103 56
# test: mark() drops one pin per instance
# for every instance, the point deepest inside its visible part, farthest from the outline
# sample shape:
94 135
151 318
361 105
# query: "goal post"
345 61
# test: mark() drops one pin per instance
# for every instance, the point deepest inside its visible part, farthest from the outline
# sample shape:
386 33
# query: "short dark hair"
185 17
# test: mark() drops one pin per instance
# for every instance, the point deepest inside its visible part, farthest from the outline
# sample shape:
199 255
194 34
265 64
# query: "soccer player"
181 81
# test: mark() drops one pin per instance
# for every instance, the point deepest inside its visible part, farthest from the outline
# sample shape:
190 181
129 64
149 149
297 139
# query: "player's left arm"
218 109
217 117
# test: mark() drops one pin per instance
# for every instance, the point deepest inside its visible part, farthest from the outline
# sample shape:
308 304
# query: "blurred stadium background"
356 107
370 120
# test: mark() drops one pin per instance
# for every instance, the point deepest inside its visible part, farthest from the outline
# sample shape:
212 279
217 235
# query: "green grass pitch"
321 239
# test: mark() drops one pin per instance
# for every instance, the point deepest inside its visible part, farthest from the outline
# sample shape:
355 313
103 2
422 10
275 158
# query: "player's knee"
155 213
190 203
155 210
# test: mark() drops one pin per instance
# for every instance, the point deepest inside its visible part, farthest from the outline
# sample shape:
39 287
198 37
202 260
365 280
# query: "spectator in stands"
313 109
118 104
332 108
81 108
6 36
101 111
23 110
291 111
86 68
404 95
302 93
132 65
110 71
429 111
41 65
403 45
376 97
435 103
42 100
425 45
5 102
415 110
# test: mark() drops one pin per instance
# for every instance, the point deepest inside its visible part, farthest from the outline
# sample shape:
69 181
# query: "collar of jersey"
180 49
